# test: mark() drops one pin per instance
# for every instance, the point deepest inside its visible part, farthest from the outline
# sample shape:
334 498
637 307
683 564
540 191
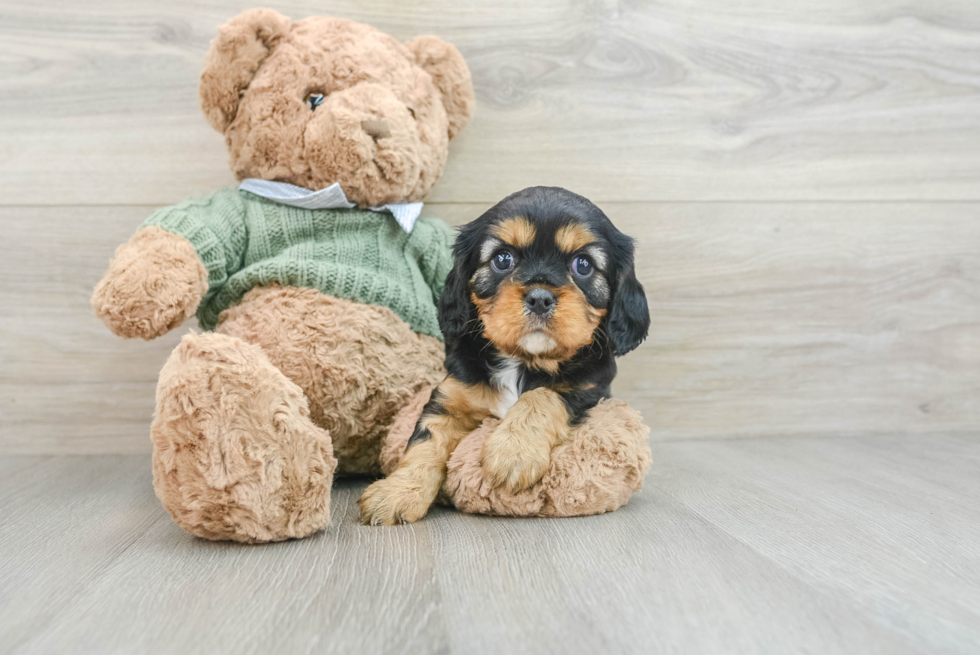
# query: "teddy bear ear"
241 46
451 76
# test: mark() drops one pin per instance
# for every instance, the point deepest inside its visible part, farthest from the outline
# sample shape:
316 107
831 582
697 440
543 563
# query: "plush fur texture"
356 364
252 420
388 109
157 261
596 470
235 454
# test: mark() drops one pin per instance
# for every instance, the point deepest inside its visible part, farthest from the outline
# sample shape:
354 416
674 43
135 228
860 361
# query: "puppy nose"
540 301
377 128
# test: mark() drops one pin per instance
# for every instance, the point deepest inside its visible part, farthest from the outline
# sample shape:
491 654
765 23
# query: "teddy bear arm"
179 257
154 282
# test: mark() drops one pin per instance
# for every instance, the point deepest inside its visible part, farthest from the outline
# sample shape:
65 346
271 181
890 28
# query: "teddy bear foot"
235 454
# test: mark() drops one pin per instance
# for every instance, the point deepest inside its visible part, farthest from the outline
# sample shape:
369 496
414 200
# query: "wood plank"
768 319
887 526
621 101
106 551
836 545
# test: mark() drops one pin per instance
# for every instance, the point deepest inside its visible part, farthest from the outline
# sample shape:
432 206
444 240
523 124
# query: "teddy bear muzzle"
366 139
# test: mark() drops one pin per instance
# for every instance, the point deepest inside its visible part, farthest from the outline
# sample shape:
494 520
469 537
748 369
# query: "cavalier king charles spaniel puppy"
541 299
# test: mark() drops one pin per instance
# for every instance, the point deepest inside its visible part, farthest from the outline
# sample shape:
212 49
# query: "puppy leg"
518 452
406 494
454 411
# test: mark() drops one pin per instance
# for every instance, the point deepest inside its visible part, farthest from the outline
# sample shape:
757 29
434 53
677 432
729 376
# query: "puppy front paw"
514 461
392 501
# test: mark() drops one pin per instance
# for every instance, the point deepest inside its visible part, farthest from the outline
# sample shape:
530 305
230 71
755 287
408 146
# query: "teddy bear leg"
235 454
357 364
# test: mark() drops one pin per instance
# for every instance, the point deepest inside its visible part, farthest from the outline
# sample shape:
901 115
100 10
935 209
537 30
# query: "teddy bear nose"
376 128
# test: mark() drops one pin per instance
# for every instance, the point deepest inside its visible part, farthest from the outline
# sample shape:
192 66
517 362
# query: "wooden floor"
849 545
802 178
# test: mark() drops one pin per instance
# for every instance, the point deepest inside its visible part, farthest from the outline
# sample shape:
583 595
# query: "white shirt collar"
332 197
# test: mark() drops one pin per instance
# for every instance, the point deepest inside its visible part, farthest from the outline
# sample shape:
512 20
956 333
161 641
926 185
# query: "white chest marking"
506 378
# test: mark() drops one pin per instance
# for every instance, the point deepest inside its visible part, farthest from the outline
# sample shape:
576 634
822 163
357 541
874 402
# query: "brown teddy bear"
324 320
316 279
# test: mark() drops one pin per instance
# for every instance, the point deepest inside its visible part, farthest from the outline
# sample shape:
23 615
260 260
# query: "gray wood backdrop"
803 178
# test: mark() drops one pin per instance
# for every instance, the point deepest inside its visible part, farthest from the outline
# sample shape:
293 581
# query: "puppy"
541 298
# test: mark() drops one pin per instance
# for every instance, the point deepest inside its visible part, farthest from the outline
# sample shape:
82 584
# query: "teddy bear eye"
314 100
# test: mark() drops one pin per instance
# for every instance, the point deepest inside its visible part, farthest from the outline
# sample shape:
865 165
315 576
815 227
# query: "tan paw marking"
513 461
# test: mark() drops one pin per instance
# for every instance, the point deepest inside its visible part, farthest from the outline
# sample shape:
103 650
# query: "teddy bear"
321 322
316 281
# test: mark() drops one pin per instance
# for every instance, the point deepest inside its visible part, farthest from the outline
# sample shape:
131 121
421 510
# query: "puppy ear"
451 76
629 317
457 314
241 46
455 308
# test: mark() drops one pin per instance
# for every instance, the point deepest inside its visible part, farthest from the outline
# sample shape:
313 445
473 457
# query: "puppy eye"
582 266
314 100
502 261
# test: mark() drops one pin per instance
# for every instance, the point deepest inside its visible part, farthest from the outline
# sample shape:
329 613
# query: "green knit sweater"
247 241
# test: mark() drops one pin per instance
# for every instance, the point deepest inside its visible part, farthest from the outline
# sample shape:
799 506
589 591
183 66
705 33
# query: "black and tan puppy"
541 298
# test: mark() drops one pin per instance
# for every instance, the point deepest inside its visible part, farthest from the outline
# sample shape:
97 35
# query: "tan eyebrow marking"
572 237
518 232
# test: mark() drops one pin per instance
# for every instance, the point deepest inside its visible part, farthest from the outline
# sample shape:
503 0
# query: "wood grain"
126 556
802 179
866 544
667 100
768 319
848 501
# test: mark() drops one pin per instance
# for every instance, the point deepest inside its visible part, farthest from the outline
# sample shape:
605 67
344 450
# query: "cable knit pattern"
245 241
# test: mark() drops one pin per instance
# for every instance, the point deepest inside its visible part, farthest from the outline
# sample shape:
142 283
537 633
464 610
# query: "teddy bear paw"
155 282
